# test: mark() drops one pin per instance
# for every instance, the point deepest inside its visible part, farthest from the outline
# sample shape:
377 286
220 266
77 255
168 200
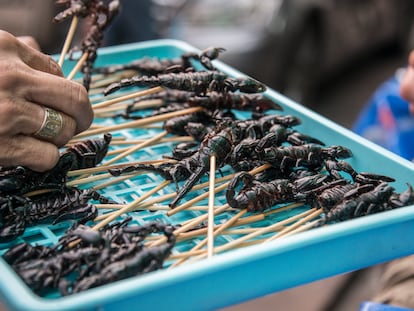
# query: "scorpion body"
308 155
257 196
81 8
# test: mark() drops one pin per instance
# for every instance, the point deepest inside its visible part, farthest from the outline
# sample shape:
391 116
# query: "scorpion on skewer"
212 101
257 196
199 82
102 15
154 66
308 155
81 8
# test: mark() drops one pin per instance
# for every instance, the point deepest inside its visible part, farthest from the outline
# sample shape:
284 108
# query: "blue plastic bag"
386 119
372 306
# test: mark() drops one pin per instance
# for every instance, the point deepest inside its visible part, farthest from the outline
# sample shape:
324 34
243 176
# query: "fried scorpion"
154 66
199 82
257 196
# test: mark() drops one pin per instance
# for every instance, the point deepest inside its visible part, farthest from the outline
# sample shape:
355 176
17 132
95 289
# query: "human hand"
407 84
31 81
30 41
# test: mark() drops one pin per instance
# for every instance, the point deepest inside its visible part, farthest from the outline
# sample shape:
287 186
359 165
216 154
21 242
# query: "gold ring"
52 124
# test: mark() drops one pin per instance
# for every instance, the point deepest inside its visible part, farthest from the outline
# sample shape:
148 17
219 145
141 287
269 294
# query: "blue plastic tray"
245 273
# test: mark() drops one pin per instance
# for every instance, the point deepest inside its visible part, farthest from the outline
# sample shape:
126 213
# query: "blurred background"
329 55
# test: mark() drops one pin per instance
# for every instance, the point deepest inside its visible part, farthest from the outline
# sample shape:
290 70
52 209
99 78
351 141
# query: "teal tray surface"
245 273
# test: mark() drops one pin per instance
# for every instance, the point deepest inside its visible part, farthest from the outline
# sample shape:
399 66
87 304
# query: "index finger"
60 94
30 56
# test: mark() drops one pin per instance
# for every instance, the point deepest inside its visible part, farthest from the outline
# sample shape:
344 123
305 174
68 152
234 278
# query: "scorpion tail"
187 186
240 181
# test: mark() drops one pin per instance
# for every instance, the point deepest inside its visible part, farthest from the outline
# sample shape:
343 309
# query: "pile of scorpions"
301 168
84 258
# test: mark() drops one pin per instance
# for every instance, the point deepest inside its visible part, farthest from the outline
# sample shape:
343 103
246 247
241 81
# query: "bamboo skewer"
216 232
240 241
149 203
136 148
68 40
77 66
184 206
127 97
138 123
95 99
114 181
175 139
98 169
241 222
290 229
89 179
302 228
210 222
145 104
74 141
194 222
236 221
128 207
151 207
106 80
262 231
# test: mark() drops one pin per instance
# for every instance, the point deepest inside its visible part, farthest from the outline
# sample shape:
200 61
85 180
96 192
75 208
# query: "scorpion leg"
360 208
11 231
99 197
208 55
87 212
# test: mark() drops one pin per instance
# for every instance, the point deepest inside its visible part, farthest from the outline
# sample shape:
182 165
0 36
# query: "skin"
407 84
29 82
